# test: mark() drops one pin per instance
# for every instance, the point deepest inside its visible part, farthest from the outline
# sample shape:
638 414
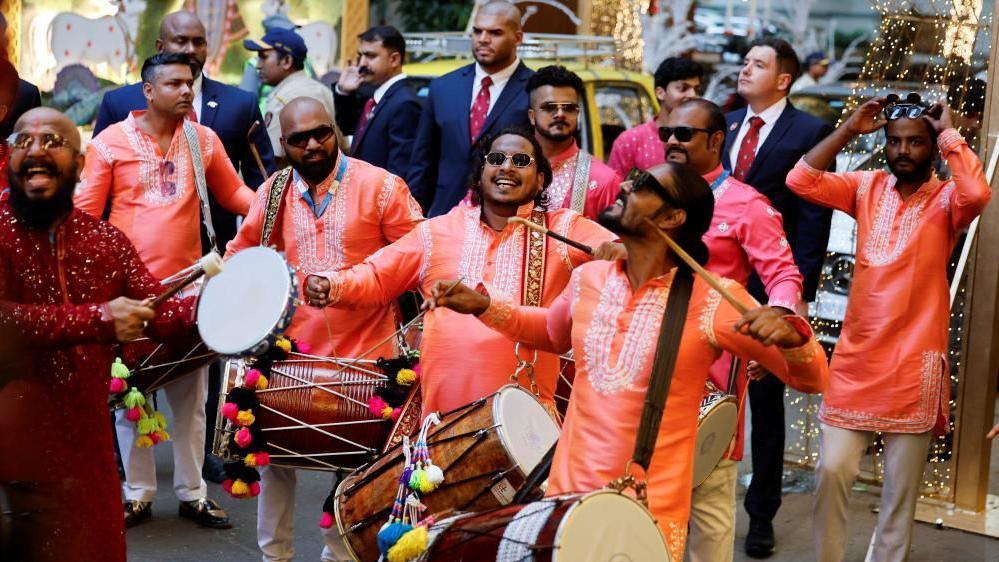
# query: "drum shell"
152 363
714 401
364 499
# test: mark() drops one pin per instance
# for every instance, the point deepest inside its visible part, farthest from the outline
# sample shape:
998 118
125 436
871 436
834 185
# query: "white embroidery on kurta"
385 194
878 249
428 250
945 194
318 251
163 180
561 227
509 261
563 176
707 318
102 150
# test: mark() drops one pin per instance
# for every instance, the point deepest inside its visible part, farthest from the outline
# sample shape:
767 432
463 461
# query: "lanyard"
724 175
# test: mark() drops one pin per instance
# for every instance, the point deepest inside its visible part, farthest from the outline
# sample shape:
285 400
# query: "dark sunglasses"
301 140
682 134
552 107
642 181
912 108
519 159
49 141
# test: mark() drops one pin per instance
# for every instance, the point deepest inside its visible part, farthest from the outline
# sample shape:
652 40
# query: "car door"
614 107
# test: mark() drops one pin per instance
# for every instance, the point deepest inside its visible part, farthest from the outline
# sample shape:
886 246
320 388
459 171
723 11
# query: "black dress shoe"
212 469
136 512
205 512
760 538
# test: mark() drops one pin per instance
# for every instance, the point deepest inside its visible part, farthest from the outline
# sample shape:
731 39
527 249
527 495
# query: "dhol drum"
486 450
602 526
563 386
314 413
153 365
715 428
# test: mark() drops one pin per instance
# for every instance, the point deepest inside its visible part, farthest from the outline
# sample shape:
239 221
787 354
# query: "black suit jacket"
387 139
228 111
807 224
442 153
27 98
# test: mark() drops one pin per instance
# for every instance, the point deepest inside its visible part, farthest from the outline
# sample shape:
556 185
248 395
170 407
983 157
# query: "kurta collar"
565 155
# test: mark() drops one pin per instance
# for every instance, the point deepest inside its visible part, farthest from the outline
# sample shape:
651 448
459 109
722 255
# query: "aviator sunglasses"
519 159
48 141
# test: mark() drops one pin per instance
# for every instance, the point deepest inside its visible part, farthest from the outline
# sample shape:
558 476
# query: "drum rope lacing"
491 532
629 480
527 368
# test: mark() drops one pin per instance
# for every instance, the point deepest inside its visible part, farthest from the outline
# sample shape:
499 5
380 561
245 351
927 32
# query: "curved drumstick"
253 149
545 231
708 278
209 265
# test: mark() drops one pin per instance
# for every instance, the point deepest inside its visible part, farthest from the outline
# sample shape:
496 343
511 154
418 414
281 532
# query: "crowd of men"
420 200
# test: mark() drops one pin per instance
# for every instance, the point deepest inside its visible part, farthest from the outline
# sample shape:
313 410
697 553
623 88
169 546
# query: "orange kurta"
154 200
613 333
368 209
889 371
462 360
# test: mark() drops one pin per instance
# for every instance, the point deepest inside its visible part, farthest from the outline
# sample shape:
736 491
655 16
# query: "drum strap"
580 182
534 261
273 206
194 147
663 366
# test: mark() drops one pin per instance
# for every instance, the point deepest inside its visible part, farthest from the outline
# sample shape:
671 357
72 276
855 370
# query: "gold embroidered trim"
534 265
272 206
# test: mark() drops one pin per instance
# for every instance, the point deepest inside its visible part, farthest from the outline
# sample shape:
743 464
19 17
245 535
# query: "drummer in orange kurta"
329 211
461 359
889 371
610 315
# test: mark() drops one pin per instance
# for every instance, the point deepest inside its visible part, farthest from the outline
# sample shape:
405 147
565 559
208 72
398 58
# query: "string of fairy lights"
621 19
921 46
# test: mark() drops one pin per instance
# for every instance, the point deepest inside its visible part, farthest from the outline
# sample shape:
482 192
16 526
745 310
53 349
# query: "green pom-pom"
414 479
147 426
134 398
160 420
118 369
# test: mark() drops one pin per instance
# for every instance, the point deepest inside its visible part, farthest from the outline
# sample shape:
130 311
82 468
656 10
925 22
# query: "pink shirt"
613 333
889 370
368 209
462 360
638 147
154 200
602 187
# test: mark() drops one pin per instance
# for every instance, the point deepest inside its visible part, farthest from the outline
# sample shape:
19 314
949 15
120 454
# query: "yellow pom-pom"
239 488
160 419
250 460
245 418
143 442
405 377
284 344
387 412
261 383
409 546
163 435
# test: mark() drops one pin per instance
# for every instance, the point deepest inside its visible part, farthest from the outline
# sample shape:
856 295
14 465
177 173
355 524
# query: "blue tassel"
390 534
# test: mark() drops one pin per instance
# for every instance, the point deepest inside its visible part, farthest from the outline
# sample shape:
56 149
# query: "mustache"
677 148
30 162
364 70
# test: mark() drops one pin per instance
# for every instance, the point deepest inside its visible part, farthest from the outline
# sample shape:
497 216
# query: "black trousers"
766 402
212 403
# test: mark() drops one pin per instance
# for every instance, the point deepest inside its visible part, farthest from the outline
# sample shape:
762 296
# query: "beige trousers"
840 452
712 516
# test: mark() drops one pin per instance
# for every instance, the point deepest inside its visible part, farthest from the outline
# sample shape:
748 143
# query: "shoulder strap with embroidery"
534 261
581 181
194 147
273 205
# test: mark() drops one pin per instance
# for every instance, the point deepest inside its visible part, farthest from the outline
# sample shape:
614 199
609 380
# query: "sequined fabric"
54 369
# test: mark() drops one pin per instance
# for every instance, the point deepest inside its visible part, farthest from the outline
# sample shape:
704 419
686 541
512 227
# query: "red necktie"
747 150
480 109
369 107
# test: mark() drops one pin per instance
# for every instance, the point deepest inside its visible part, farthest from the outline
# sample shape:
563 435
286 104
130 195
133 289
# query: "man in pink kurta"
610 315
462 360
143 166
746 236
579 181
889 371
327 212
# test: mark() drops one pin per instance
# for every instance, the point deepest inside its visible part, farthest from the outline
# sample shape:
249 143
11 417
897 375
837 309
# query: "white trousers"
840 452
712 516
276 519
186 397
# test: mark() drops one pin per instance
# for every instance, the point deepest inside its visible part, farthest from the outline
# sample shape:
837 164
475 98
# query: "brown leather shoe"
136 512
205 512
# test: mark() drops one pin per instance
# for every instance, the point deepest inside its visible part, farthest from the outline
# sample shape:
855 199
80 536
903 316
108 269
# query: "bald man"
60 314
327 212
462 106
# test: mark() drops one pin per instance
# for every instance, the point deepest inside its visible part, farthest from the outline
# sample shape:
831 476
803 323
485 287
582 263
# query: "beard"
610 218
557 137
41 214
315 171
919 173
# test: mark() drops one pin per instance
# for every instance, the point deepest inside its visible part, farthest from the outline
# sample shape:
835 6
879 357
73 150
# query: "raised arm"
971 190
223 181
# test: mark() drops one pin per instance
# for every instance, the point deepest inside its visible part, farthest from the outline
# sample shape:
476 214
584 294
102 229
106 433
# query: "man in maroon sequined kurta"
70 287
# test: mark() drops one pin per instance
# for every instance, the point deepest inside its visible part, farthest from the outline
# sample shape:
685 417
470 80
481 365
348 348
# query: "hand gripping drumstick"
253 149
699 270
209 265
543 230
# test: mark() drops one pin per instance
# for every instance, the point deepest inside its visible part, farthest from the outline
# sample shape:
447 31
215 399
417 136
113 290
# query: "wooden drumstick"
253 149
209 265
545 231
710 279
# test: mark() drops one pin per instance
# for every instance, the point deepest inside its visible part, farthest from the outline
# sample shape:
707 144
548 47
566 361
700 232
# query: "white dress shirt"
499 81
380 92
769 116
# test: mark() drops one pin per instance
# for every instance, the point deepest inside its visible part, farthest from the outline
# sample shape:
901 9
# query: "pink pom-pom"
376 404
154 438
251 378
227 485
303 347
117 385
134 414
327 521
396 413
254 489
230 410
243 437
262 458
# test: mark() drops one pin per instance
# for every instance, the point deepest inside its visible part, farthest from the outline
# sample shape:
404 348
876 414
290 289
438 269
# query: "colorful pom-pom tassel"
414 479
405 377
303 347
133 414
396 413
245 418
144 442
254 489
251 377
160 419
229 411
377 404
134 399
409 546
147 425
261 383
117 385
258 459
390 534
162 435
243 437
435 475
327 521
239 488
283 344
119 370
387 412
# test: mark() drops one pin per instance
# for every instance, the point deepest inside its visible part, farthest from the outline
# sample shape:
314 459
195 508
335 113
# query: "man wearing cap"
816 66
281 64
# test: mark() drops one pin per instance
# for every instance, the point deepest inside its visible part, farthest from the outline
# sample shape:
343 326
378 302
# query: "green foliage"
149 30
435 15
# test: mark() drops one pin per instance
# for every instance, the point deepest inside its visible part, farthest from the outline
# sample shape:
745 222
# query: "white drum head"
714 433
525 427
242 306
608 527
